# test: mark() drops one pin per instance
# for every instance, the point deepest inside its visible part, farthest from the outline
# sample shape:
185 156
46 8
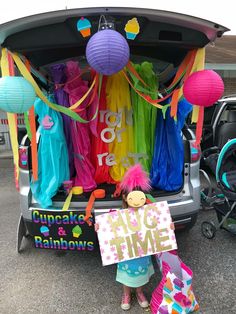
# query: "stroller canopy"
226 167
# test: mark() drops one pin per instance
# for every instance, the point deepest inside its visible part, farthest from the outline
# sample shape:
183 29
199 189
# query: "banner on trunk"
57 230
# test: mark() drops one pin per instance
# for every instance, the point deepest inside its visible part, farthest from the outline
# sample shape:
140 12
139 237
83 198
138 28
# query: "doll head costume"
133 186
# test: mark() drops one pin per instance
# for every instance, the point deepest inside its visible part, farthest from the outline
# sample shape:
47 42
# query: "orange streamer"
199 126
99 193
34 152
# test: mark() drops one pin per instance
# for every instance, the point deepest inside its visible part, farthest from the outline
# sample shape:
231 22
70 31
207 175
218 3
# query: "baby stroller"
225 205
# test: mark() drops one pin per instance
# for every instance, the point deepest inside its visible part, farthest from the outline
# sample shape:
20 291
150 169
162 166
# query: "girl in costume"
134 273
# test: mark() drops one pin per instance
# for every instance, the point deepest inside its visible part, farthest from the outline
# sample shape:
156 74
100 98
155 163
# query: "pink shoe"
142 299
126 302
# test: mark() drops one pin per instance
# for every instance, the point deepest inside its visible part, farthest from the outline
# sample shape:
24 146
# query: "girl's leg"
126 298
141 297
127 290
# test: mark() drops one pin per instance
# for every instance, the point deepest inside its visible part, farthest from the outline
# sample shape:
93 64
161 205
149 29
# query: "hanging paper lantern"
17 95
107 52
203 88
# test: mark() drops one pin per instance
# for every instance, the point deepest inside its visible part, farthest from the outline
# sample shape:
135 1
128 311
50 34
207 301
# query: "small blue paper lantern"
17 95
107 52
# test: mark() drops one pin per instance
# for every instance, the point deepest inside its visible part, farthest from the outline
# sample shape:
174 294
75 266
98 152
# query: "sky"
221 12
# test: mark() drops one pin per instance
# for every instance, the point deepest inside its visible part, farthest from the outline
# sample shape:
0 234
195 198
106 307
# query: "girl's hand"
96 227
172 226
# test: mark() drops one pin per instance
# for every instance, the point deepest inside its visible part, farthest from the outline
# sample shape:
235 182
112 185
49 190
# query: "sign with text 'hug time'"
131 233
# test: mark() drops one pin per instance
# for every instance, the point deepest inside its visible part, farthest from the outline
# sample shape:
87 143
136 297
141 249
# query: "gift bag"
174 294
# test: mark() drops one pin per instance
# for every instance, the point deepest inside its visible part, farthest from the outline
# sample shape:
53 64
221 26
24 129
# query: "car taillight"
195 152
23 157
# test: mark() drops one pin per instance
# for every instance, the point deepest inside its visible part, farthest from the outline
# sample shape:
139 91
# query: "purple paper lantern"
107 52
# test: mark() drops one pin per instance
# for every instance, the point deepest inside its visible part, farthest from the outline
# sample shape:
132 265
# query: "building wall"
5 143
228 74
230 85
229 78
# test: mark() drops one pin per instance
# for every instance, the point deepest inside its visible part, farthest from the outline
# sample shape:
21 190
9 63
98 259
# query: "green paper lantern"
17 95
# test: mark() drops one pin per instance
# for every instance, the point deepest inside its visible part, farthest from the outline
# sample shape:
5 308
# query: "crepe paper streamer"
81 133
107 52
132 28
118 190
199 126
189 62
120 136
76 190
27 125
99 193
195 114
12 124
84 26
168 157
78 103
133 71
52 156
92 98
144 115
100 85
184 66
33 70
98 146
61 98
150 199
199 64
174 103
22 68
8 69
164 109
155 104
34 151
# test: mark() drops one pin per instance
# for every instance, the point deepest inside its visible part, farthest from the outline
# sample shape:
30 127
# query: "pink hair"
135 177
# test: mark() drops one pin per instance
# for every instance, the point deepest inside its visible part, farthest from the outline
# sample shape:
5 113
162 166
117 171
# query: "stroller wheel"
208 229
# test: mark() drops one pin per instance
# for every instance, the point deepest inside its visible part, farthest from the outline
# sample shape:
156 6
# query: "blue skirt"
136 272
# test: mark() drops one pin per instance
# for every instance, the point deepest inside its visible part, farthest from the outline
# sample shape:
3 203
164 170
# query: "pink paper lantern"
203 88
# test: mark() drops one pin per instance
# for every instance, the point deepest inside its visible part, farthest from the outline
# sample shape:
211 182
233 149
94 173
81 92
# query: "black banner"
62 230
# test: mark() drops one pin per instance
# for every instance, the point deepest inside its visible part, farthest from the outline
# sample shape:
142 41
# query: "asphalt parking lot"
41 281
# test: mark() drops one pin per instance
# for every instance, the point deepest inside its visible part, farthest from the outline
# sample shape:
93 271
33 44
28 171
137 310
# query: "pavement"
41 281
6 154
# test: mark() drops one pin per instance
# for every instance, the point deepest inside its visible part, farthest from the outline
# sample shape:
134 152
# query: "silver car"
166 38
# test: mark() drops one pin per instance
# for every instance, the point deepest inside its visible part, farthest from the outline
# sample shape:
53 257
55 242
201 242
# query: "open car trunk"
164 40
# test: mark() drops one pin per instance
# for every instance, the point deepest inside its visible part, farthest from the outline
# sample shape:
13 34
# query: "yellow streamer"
12 120
79 102
118 101
76 190
27 75
199 64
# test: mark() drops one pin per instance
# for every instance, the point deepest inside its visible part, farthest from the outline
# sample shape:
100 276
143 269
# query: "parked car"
165 39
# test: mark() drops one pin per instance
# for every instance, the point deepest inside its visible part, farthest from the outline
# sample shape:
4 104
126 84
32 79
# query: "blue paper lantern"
17 95
107 52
